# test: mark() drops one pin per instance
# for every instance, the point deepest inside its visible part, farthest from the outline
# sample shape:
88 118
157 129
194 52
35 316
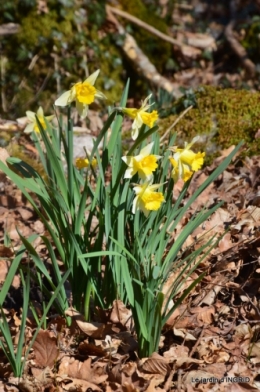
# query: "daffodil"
33 125
144 164
185 162
146 198
141 116
84 162
84 93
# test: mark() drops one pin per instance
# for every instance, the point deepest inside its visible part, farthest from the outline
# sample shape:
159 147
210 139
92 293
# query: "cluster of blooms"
184 161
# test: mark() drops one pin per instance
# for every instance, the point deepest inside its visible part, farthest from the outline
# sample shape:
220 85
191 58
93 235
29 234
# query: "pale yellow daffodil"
147 199
141 116
144 164
84 93
33 125
185 162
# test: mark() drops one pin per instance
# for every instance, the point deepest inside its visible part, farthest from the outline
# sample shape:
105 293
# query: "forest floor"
211 341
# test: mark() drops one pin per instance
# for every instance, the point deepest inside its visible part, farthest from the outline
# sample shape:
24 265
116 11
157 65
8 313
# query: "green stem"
70 157
87 300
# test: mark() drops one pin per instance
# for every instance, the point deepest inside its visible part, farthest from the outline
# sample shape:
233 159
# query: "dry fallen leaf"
155 364
45 349
120 314
82 370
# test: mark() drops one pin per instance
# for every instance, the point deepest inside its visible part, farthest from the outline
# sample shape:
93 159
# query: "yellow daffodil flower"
141 116
144 164
146 199
84 93
80 163
33 126
185 162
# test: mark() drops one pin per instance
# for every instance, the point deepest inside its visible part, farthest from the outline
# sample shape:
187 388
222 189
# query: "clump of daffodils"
185 162
83 93
141 116
32 122
147 198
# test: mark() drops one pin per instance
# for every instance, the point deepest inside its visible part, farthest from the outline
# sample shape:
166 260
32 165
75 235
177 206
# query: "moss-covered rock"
226 116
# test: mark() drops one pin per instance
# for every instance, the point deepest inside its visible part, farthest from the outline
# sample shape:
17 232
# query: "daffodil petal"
100 95
198 161
134 206
128 160
146 100
134 133
64 99
82 109
29 128
40 112
146 150
93 77
129 173
31 116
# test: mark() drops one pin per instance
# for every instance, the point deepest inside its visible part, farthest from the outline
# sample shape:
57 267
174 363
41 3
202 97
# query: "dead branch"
175 122
141 62
144 25
144 67
9 28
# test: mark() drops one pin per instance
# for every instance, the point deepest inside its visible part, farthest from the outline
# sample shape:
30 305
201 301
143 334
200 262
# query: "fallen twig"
144 25
174 123
141 62
9 28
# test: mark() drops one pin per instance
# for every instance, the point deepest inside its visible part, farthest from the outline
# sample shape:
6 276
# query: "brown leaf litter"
210 343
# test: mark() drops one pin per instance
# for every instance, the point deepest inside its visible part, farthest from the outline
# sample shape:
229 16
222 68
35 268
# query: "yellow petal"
131 112
146 166
187 156
152 200
85 93
149 118
198 161
173 162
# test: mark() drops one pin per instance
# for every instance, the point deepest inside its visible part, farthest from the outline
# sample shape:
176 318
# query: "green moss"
226 116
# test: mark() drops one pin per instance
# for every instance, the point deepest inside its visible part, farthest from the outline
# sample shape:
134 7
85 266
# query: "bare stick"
145 26
175 122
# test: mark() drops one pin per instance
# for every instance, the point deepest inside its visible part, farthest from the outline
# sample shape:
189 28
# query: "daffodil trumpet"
185 162
140 116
